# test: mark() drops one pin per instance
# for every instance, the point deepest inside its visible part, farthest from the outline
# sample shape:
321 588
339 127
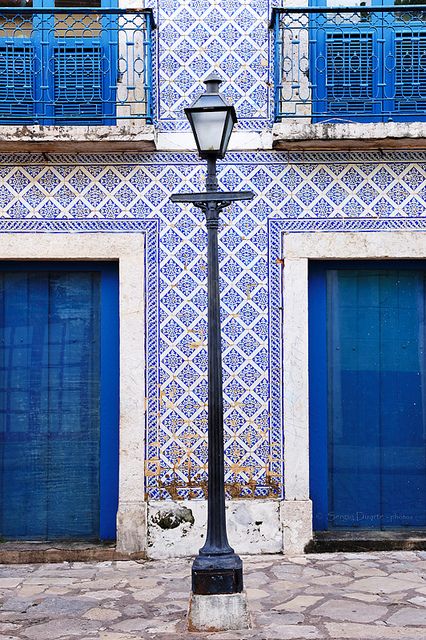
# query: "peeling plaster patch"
179 528
172 518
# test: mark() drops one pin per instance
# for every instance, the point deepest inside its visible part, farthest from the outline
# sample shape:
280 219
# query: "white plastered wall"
298 249
128 250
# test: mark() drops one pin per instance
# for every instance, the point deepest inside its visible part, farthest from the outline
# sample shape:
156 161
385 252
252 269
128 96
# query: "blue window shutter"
349 74
83 80
16 83
410 74
78 84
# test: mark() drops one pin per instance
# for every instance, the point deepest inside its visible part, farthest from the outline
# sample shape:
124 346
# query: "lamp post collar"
212 82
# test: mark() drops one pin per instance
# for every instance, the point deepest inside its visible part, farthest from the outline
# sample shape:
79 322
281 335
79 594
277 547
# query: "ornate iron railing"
362 64
75 67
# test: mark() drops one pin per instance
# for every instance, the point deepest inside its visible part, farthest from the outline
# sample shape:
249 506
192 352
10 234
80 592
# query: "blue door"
367 395
58 400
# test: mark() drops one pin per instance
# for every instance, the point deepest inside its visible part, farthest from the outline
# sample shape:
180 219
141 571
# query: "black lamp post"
216 569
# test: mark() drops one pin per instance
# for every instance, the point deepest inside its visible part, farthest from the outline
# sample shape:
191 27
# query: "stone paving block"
409 617
103 584
31 589
349 610
58 606
10 583
339 631
142 583
418 601
19 604
108 594
147 595
298 560
369 572
51 580
60 628
323 590
111 635
179 596
223 635
256 594
383 584
102 614
340 569
290 617
411 576
256 578
16 617
333 579
139 610
285 586
290 632
13 570
5 627
299 603
364 597
133 624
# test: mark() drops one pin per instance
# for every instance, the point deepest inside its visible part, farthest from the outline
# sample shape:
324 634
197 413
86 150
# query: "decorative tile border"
276 229
151 230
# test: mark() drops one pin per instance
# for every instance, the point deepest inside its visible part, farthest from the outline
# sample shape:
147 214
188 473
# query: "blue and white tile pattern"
293 193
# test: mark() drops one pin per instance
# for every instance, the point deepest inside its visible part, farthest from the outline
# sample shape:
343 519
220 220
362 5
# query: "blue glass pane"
376 398
49 404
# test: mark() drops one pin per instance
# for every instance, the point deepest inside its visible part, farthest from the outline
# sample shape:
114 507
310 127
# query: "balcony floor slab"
76 139
298 135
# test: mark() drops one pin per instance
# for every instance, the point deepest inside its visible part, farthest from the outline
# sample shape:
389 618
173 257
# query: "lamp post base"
217 574
222 612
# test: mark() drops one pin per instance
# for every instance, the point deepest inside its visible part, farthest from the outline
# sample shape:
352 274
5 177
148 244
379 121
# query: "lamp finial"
212 82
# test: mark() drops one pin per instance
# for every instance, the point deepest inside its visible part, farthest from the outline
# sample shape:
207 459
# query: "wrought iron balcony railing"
358 64
75 66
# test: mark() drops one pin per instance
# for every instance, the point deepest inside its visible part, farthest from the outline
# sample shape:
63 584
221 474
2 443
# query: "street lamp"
216 569
211 120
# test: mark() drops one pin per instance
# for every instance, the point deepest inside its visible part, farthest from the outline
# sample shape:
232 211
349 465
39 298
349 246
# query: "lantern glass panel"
227 133
208 127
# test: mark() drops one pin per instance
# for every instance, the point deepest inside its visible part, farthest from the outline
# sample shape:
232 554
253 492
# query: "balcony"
350 77
74 78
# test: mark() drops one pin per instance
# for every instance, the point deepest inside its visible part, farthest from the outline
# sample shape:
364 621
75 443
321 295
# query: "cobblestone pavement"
370 596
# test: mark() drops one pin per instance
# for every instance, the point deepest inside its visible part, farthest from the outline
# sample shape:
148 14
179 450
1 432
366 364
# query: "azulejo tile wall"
293 193
196 36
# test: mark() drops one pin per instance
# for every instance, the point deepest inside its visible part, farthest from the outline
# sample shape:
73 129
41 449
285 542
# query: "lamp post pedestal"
222 612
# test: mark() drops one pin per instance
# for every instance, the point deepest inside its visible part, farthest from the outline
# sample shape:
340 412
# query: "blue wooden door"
58 401
367 390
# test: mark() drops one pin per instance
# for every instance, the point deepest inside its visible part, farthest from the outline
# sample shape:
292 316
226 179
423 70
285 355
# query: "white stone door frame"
298 249
129 251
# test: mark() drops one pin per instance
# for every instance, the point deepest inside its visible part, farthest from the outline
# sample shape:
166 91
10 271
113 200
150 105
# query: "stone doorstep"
359 541
42 552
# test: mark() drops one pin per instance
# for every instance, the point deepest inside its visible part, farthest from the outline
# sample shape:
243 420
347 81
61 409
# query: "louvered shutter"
410 74
16 83
349 74
78 84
